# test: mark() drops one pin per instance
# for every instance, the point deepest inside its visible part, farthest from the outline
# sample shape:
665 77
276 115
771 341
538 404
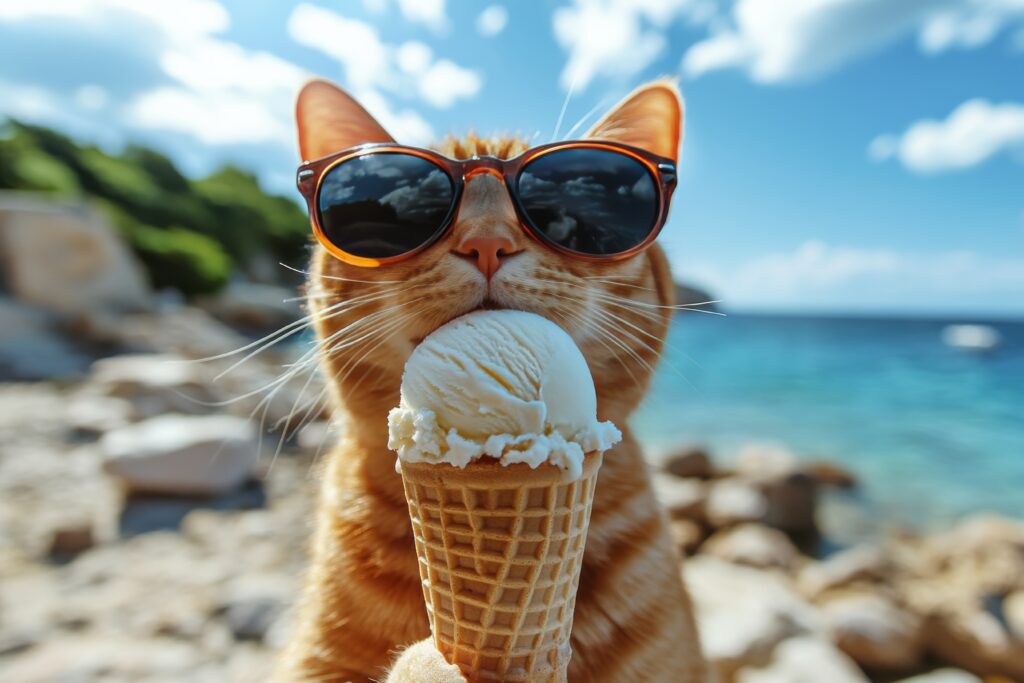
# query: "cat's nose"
487 251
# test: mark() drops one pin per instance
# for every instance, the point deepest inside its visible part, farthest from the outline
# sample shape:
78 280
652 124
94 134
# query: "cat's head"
369 319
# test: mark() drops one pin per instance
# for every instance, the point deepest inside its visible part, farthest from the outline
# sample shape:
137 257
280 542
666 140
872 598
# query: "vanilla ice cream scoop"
503 384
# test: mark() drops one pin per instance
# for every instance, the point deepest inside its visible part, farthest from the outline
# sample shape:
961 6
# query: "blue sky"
852 155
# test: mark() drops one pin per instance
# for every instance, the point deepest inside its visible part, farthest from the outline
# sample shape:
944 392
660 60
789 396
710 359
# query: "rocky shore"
116 567
151 530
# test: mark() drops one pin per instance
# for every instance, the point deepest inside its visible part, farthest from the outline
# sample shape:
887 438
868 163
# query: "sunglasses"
381 203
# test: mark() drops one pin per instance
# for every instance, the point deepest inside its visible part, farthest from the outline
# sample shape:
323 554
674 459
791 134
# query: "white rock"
681 498
943 676
88 269
765 460
873 631
743 613
182 454
806 659
753 544
1013 610
733 502
843 568
155 383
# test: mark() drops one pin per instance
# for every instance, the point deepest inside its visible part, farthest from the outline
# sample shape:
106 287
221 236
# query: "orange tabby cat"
363 602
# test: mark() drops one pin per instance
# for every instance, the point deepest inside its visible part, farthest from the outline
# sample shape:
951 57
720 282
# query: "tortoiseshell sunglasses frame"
311 174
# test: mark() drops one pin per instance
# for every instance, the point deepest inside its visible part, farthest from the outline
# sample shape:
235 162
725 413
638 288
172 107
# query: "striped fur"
363 601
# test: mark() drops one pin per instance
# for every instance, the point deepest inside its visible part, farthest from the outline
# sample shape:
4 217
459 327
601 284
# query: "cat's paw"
422 663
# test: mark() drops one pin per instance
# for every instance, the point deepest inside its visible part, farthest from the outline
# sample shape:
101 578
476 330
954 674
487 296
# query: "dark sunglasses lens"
384 204
592 201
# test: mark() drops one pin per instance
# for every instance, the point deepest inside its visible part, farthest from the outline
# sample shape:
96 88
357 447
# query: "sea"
933 432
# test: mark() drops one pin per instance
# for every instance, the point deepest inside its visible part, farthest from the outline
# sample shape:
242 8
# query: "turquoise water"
934 433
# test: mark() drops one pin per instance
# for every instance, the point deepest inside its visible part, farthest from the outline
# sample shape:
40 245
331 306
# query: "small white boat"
977 338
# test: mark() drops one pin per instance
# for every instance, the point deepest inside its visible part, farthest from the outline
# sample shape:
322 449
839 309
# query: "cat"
363 602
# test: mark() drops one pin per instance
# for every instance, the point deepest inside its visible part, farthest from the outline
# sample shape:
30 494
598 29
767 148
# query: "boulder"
743 613
681 498
88 269
31 348
70 540
806 659
185 455
687 535
254 603
754 545
859 563
943 676
791 494
154 384
732 502
874 631
975 640
1013 612
92 414
831 474
253 306
688 463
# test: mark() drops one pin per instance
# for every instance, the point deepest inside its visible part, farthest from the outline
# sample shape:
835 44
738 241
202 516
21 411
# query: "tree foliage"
191 234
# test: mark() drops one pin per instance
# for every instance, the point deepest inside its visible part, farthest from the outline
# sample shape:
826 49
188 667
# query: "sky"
840 155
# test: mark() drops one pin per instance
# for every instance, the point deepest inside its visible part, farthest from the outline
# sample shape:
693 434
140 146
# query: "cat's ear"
650 117
329 120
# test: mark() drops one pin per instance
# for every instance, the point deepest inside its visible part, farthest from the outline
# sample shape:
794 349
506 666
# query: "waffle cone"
500 551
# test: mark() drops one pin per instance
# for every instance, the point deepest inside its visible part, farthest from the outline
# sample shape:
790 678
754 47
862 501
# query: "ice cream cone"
500 550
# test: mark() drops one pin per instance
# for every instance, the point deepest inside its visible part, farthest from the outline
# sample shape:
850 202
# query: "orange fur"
363 600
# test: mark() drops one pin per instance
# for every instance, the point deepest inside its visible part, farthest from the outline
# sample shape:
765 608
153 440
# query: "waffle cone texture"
500 551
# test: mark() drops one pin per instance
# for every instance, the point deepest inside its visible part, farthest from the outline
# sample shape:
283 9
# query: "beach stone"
874 631
184 455
92 414
687 535
831 474
681 498
805 659
743 613
976 641
1013 612
70 540
943 676
254 604
859 563
253 306
31 348
154 384
791 494
732 502
753 544
693 462
89 269
765 461
792 503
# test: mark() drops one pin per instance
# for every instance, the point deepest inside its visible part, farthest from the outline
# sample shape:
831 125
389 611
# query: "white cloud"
616 37
969 24
178 17
492 21
778 41
371 65
817 274
428 12
973 133
220 92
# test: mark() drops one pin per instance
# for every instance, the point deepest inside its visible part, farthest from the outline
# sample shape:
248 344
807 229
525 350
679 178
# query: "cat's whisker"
598 336
323 276
597 107
565 106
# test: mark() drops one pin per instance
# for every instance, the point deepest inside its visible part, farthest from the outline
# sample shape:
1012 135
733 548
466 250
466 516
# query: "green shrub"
182 259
